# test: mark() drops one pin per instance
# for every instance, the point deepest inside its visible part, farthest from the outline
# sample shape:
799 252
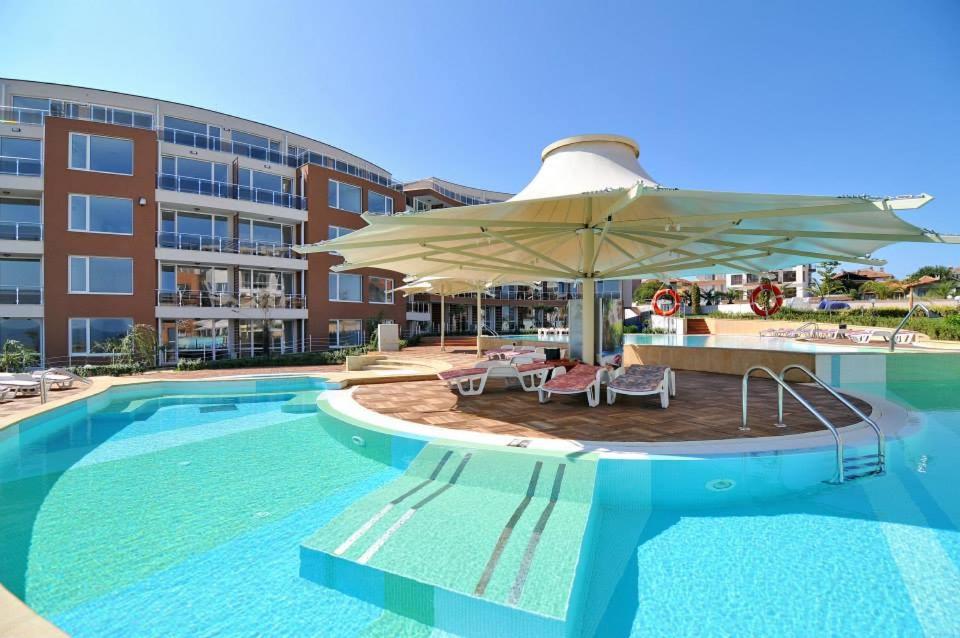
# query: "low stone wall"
754 326
718 360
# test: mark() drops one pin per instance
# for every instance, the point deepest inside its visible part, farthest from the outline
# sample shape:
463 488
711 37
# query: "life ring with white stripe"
773 292
655 302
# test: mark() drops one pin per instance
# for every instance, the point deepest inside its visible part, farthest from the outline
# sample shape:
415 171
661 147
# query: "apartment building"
118 210
795 282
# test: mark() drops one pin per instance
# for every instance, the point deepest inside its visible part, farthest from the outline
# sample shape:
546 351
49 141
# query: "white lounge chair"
524 371
467 381
583 379
22 384
54 378
7 394
642 380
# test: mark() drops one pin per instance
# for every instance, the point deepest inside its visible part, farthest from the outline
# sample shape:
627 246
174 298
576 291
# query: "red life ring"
656 299
777 299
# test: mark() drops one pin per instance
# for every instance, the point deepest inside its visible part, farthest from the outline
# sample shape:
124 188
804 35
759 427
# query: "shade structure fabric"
592 212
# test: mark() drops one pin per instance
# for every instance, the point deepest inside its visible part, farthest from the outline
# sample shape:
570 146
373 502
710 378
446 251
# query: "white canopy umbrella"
444 286
592 212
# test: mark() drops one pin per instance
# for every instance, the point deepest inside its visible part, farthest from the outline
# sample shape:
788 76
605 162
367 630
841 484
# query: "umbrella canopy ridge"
592 212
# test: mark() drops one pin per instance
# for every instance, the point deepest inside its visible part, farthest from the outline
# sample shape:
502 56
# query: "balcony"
197 186
251 304
231 245
77 111
274 156
21 166
21 295
259 300
21 231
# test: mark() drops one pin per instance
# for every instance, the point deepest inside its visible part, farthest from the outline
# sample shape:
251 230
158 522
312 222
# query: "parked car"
833 305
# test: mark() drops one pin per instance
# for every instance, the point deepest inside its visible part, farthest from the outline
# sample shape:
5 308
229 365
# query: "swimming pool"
218 508
748 342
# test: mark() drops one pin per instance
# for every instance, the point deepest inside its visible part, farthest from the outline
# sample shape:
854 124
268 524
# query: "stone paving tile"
707 406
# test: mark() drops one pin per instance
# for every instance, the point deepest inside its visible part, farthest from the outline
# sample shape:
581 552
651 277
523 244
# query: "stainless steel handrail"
881 439
812 410
903 322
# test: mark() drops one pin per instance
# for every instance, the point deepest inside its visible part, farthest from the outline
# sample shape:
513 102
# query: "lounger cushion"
461 372
645 370
582 369
569 383
536 365
636 382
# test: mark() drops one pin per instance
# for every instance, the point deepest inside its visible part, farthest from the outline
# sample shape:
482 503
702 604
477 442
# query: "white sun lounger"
583 379
642 380
54 379
22 384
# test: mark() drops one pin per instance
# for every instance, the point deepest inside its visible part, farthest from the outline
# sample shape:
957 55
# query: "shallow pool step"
302 403
473 541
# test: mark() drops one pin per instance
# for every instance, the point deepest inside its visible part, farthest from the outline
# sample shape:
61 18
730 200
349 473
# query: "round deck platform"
707 407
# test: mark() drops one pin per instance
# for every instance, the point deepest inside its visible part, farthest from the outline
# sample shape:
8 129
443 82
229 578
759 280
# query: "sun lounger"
583 379
643 369
22 384
54 379
467 381
639 381
7 394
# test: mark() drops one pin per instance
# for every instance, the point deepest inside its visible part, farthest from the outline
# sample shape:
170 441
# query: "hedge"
107 370
326 358
947 327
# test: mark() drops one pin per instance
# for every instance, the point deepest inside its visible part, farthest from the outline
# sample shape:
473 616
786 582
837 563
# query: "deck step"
697 327
466 538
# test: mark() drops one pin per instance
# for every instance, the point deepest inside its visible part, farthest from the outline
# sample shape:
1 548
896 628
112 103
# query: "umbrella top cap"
585 140
586 164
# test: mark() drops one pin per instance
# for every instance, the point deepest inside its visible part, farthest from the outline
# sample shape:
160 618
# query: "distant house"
853 279
921 286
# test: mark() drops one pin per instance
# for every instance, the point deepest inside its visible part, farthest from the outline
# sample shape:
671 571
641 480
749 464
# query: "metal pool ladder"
848 468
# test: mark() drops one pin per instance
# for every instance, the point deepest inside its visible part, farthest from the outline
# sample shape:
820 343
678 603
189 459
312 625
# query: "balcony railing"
17 295
213 243
77 111
262 300
20 166
23 231
197 186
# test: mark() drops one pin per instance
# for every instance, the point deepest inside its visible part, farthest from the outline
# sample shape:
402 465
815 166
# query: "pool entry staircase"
848 468
470 540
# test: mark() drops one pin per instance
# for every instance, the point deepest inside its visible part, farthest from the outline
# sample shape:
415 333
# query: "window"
98 336
93 214
190 133
26 331
379 290
254 140
123 117
101 275
101 154
736 280
344 196
20 147
21 281
379 204
252 230
20 210
345 287
345 333
337 231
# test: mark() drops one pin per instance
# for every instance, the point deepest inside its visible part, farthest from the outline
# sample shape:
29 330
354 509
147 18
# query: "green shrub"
329 357
107 369
630 330
189 364
17 357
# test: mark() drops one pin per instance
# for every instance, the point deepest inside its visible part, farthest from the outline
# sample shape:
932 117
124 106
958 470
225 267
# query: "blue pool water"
180 509
749 342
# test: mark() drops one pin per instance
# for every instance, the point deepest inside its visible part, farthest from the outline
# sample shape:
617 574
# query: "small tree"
943 272
827 285
139 346
16 357
645 291
695 299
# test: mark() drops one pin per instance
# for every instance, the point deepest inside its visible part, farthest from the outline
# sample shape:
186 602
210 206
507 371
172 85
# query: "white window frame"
339 232
330 288
388 290
87 158
338 345
337 205
87 198
86 352
388 200
86 283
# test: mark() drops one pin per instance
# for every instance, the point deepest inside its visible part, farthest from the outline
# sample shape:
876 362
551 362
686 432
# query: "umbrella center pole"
479 322
443 322
589 295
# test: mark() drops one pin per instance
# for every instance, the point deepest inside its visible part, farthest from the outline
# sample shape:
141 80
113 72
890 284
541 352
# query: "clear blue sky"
813 97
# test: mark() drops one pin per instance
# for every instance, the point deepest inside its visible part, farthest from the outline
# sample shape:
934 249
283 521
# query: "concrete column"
443 322
589 294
